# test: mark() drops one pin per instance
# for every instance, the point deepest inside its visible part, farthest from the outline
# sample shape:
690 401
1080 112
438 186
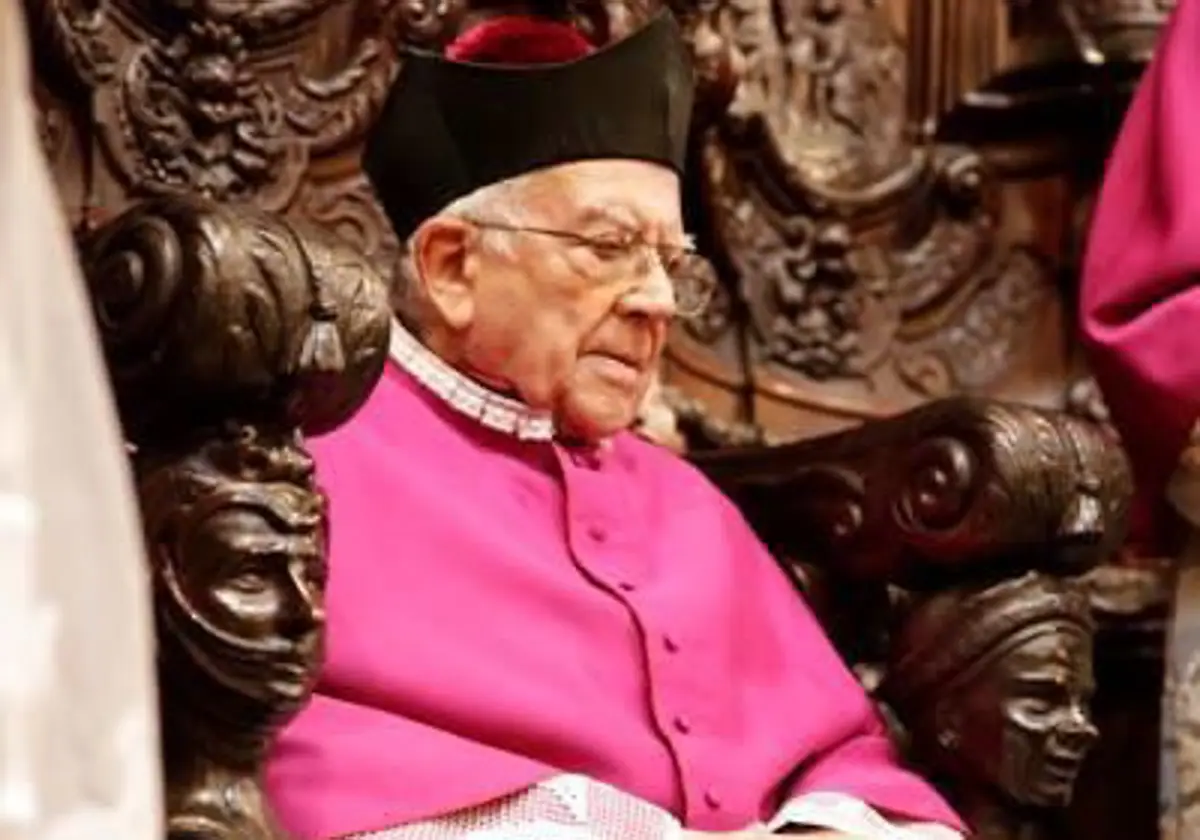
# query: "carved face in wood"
1029 708
252 574
239 536
994 685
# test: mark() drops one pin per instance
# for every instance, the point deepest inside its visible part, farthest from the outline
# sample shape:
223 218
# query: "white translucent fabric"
78 742
856 818
566 807
572 807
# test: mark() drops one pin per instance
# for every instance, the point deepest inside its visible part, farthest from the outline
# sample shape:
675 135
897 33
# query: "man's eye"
612 247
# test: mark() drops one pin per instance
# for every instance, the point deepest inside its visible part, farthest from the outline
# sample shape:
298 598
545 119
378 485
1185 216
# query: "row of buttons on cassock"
680 722
592 460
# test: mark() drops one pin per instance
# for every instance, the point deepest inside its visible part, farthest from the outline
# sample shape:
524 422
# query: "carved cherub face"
1022 724
250 576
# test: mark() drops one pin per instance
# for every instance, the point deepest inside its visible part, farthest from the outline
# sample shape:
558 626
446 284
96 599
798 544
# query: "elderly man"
539 625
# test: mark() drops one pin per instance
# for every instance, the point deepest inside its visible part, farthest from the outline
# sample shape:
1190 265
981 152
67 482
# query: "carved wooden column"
229 334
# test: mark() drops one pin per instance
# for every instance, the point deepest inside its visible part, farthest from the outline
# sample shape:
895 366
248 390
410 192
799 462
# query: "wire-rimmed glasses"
630 255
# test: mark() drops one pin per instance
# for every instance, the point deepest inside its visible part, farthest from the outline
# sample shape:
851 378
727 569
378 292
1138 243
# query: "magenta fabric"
1140 301
503 611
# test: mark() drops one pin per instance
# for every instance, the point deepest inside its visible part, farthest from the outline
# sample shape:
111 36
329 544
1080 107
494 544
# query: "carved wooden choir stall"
206 151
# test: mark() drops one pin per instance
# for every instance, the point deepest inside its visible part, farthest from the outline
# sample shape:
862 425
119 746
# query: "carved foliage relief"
871 268
264 101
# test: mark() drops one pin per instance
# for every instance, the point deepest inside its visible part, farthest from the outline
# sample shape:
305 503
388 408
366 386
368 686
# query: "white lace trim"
572 791
574 807
840 812
565 807
464 394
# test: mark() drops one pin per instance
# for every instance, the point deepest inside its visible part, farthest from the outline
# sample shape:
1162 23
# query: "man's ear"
442 259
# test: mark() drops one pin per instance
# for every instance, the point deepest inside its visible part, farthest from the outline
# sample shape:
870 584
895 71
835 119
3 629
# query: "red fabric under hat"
519 39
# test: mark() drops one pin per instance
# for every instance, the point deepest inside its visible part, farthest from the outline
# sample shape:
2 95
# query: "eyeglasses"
629 255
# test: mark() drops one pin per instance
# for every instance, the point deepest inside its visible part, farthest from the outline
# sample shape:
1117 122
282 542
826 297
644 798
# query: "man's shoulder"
390 428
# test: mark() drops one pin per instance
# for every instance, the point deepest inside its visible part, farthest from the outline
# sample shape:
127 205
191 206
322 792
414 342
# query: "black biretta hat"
450 127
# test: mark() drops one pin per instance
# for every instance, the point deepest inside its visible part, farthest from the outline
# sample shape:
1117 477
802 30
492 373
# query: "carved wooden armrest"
962 526
229 334
936 495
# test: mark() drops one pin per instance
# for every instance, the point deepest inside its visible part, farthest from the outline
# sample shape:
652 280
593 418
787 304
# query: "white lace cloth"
572 807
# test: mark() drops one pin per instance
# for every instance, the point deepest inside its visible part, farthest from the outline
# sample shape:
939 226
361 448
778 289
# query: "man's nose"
654 297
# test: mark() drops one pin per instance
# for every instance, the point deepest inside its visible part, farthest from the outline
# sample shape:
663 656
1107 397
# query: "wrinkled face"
253 588
566 326
1024 723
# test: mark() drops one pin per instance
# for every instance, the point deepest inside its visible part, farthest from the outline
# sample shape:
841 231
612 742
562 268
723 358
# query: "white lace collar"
465 395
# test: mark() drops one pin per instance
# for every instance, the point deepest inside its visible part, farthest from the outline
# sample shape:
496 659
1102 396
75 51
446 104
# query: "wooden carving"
942 550
865 273
933 496
238 540
993 683
990 56
263 101
229 334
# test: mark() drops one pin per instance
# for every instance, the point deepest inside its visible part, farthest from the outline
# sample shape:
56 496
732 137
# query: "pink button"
597 534
670 645
626 586
712 800
682 725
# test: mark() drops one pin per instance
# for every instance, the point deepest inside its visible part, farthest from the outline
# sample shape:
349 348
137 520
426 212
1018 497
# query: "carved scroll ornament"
208 311
938 494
